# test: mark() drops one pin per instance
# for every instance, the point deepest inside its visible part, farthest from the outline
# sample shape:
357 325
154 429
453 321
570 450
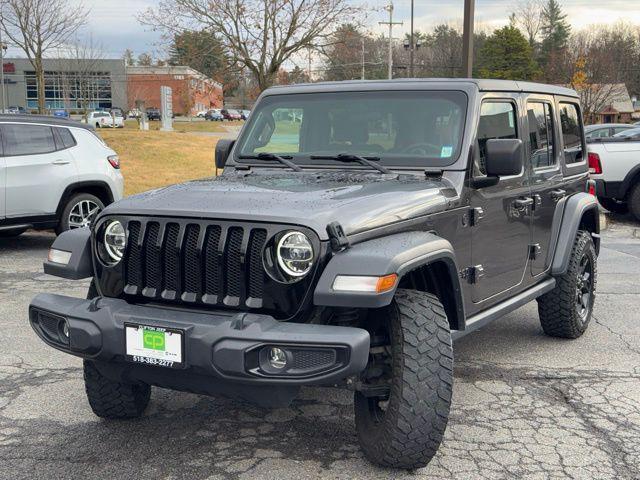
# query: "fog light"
277 358
65 329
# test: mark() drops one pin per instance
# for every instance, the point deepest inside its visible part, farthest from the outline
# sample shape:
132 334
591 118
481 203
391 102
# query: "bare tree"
78 73
528 18
260 35
38 26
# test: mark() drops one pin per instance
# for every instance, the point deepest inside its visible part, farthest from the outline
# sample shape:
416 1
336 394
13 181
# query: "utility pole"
412 44
391 23
467 39
362 40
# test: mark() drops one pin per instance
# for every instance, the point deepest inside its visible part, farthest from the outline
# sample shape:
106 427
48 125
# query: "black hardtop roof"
44 119
425 84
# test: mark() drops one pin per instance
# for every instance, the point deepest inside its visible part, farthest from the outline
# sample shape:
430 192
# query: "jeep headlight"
114 242
295 254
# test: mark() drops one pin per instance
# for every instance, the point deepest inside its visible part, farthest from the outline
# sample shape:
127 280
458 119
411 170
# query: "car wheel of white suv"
79 212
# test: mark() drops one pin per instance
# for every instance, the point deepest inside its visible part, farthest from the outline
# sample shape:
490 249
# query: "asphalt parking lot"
525 405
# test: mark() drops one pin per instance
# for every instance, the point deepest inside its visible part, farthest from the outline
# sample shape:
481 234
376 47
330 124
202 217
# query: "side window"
571 133
497 120
540 119
619 129
28 139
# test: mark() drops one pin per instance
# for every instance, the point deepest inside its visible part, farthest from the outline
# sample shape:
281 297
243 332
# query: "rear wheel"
12 233
634 201
79 212
402 410
614 205
566 310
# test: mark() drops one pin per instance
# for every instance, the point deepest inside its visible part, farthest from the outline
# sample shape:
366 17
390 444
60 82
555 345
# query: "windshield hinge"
338 239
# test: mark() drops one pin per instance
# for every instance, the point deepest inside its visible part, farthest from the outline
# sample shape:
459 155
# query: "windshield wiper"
349 157
272 156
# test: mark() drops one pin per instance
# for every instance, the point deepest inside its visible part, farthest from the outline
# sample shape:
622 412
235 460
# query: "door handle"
557 194
523 203
60 162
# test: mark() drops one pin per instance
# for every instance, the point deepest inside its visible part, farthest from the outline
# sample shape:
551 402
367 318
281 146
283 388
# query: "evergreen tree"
200 50
555 30
506 54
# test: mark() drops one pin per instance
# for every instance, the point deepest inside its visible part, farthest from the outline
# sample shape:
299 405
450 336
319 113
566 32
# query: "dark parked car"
214 115
346 249
60 112
230 114
154 114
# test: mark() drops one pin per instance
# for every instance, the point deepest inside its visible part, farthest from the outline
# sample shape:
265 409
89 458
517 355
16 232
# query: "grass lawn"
184 126
154 159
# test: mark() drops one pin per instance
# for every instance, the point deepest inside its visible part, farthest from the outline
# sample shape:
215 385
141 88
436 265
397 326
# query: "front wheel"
634 201
403 426
566 310
79 212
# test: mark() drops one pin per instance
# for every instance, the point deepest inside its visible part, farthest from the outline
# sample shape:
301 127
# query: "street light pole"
467 39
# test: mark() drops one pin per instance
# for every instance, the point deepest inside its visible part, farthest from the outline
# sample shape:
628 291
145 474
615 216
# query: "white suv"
54 173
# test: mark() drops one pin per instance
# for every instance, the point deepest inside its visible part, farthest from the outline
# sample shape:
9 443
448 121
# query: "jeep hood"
358 201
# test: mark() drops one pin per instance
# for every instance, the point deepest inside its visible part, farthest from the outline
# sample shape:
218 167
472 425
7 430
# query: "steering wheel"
423 148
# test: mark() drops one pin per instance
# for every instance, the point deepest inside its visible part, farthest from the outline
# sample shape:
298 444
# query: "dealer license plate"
154 345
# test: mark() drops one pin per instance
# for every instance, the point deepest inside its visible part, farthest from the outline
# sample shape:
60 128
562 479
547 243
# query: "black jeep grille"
195 262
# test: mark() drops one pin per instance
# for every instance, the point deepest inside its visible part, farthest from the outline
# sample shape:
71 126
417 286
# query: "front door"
501 213
546 176
36 172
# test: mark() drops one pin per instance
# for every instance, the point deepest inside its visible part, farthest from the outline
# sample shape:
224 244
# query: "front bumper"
217 345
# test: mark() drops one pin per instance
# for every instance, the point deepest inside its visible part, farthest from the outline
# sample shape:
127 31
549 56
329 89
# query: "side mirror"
223 148
503 157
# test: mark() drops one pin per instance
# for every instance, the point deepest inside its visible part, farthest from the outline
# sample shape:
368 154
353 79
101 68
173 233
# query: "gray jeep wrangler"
357 230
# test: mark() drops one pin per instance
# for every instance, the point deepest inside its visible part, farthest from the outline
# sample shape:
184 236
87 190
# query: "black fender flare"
78 243
399 253
575 208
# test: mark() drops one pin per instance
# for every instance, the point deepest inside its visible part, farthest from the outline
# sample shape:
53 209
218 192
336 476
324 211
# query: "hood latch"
338 239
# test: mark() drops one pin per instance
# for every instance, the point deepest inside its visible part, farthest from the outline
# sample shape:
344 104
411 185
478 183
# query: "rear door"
543 161
502 231
36 171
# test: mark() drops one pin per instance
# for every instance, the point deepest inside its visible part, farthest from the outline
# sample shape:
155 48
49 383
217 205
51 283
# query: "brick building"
192 91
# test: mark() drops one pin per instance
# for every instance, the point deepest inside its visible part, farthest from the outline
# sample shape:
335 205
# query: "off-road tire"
408 433
63 223
111 399
613 205
558 309
634 201
108 398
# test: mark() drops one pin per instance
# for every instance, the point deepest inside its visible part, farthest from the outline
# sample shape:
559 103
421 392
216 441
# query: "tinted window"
27 139
620 129
67 138
497 120
571 132
540 134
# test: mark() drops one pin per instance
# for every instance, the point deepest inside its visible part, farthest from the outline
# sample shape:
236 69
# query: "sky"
113 23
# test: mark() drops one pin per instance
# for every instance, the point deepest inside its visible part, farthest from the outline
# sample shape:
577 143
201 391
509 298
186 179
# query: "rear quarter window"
572 137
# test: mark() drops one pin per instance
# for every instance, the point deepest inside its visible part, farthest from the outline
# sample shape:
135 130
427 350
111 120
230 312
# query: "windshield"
407 128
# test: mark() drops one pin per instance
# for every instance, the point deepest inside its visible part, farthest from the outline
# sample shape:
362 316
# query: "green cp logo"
153 340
